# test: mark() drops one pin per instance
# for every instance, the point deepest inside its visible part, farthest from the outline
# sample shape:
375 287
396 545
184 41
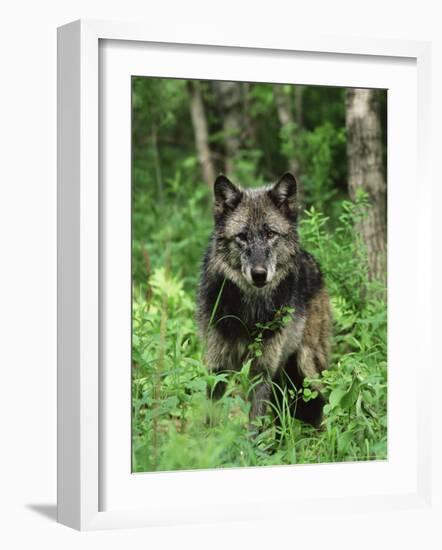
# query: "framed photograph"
235 277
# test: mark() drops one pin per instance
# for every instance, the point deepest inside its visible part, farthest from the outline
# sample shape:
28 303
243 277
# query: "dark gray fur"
255 249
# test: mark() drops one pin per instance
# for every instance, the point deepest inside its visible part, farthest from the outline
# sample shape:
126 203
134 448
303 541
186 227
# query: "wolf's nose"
259 276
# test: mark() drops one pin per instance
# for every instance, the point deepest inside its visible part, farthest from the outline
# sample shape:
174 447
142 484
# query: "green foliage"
164 96
282 318
356 384
175 425
316 151
245 168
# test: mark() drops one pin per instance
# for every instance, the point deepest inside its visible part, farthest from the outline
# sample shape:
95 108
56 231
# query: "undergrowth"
174 424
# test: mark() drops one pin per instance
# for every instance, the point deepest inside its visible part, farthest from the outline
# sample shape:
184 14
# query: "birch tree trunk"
365 170
201 133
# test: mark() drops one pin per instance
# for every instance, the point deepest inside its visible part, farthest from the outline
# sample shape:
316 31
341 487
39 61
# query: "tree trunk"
201 133
229 98
249 136
283 101
283 105
299 110
365 171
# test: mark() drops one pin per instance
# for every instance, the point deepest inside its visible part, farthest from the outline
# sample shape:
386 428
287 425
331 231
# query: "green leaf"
344 440
349 399
335 396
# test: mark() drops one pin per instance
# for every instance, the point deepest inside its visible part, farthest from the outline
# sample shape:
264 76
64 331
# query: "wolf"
254 267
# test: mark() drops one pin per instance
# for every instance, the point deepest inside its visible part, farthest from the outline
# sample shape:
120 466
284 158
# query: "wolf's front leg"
222 357
265 365
260 396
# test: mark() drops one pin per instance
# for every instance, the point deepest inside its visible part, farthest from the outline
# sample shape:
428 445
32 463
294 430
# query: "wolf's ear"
284 195
227 195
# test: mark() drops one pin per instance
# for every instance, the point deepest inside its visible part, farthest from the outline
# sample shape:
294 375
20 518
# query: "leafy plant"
175 424
173 402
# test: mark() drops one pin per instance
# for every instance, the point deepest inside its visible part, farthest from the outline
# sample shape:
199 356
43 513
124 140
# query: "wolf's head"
255 232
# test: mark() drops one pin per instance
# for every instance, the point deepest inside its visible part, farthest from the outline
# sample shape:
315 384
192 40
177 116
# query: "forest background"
335 142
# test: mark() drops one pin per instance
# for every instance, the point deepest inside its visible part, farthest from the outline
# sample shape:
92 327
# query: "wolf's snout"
259 276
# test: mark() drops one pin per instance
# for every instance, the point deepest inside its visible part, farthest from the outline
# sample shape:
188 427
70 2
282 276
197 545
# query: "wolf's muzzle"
259 276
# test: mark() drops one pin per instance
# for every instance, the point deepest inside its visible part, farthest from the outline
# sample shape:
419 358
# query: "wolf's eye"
270 234
242 237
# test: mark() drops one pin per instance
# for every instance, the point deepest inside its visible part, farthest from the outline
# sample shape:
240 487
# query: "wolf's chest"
275 346
242 318
239 314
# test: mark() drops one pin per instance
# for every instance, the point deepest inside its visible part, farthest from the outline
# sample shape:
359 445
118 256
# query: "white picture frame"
95 487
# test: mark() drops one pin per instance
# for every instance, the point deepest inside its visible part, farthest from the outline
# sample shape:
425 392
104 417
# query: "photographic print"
259 299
